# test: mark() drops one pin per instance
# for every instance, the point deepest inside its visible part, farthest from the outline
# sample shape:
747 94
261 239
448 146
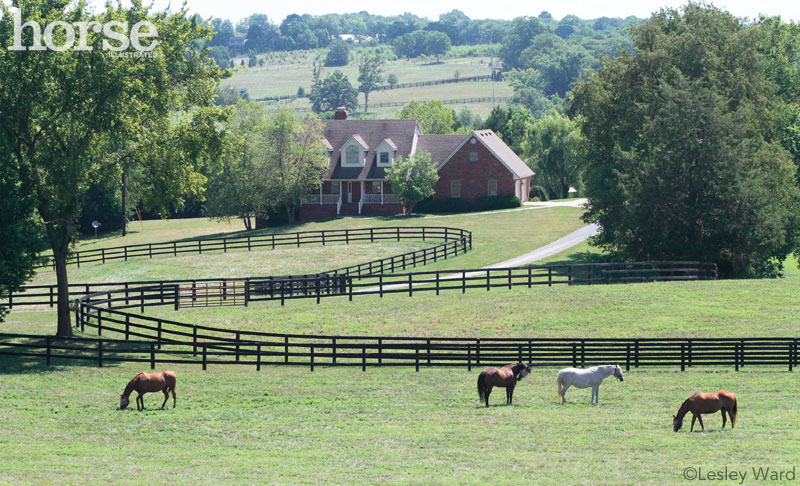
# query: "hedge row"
459 205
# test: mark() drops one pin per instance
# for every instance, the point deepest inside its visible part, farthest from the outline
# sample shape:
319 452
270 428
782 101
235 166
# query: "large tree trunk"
60 246
64 328
290 214
124 204
366 101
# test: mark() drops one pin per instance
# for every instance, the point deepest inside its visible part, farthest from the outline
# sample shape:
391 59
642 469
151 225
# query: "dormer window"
385 153
352 155
384 160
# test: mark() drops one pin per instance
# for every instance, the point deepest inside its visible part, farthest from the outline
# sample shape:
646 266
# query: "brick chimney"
341 113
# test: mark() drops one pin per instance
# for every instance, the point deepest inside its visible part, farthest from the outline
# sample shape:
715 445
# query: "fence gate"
212 293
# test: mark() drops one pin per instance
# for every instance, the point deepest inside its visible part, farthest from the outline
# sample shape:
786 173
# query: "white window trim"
359 156
476 156
489 187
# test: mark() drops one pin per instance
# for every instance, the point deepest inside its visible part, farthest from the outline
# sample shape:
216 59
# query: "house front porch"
350 198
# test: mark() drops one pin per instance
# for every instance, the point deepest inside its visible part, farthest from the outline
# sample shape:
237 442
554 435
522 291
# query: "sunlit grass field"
287 425
234 425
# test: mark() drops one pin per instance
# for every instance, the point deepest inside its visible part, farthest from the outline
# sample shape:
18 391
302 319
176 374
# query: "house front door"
349 193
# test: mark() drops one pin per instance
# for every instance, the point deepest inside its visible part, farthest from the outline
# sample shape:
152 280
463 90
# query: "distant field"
284 80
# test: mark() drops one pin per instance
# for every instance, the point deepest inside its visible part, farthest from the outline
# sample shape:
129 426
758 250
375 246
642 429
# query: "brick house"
359 151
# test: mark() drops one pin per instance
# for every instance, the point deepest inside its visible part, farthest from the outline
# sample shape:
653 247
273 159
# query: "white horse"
590 377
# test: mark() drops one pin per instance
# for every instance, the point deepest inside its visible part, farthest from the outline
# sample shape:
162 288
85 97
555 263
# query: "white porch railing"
320 199
381 199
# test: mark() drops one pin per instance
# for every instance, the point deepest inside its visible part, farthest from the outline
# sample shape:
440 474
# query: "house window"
376 187
473 156
352 155
455 188
335 187
492 183
384 158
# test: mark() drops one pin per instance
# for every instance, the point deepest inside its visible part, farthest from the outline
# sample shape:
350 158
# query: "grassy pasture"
234 425
531 228
341 426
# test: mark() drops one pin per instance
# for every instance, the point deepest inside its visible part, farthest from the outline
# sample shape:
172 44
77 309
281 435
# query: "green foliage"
510 123
439 206
422 42
558 62
334 91
412 179
338 54
552 148
102 204
518 38
370 74
20 230
433 116
682 157
489 203
392 79
529 87
294 161
221 55
73 109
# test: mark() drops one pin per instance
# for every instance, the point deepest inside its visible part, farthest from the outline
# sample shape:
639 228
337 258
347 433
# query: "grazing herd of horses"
698 404
506 377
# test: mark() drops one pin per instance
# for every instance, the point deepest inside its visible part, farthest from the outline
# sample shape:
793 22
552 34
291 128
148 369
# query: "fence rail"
455 242
366 352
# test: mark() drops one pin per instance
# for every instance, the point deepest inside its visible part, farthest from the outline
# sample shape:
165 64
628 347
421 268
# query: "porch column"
320 194
381 192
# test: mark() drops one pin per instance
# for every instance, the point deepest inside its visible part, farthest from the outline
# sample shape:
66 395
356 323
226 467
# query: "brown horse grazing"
163 381
507 377
700 403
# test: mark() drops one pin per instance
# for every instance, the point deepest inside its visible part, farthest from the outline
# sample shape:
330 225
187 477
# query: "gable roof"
439 146
371 133
518 168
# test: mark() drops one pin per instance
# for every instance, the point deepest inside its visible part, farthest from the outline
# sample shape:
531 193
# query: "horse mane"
683 410
130 385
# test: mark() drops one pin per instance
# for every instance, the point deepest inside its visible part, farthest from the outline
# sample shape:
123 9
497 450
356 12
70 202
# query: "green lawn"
391 426
286 425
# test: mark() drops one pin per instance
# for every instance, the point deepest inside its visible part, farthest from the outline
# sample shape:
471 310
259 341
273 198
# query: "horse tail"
735 413
560 387
481 386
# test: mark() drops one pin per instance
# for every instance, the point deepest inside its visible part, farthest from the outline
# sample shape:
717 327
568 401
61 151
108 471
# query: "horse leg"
140 400
595 394
509 394
174 398
724 419
564 394
700 419
165 391
486 394
694 417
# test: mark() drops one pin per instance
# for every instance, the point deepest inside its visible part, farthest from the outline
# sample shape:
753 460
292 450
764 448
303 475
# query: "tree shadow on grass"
580 258
32 354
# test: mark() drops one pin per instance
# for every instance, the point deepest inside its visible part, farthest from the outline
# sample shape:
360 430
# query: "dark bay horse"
700 403
507 377
163 381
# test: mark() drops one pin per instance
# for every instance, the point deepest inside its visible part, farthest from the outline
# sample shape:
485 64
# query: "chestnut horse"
163 381
700 403
507 377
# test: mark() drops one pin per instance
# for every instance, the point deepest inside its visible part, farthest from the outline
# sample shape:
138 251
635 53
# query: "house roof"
370 133
399 134
439 146
518 168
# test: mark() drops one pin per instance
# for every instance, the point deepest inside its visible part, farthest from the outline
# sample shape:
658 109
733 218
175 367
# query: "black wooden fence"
271 241
366 352
456 242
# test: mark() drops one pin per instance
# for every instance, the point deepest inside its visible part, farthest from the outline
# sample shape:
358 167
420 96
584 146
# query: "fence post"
583 353
736 356
683 357
689 358
205 358
100 353
469 357
790 357
99 322
286 349
574 355
238 338
127 326
636 354
463 281
416 356
741 352
410 286
159 335
628 357
478 352
363 359
47 341
311 348
333 350
487 280
258 357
